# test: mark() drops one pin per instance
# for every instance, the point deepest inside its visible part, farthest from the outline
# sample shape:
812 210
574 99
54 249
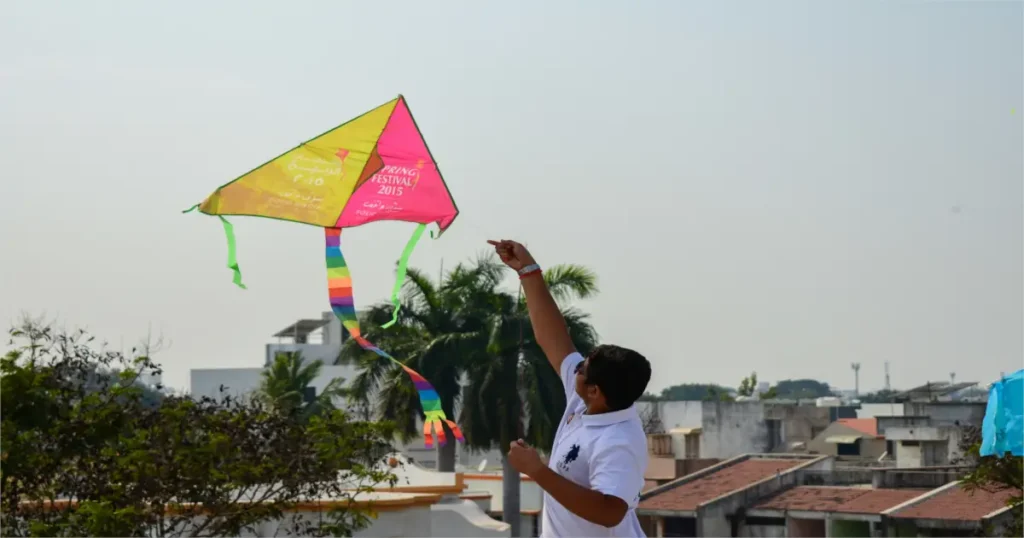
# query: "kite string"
339 285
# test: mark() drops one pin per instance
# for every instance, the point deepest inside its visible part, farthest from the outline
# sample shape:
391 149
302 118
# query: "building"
723 430
768 495
855 438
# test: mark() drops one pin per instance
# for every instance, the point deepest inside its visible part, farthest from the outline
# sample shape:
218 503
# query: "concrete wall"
938 445
871 410
675 414
242 381
948 414
800 424
325 353
732 428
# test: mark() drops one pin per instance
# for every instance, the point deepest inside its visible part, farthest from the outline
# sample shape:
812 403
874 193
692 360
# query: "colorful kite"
375 167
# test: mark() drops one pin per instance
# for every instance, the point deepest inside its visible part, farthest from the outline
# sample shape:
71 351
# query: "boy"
592 483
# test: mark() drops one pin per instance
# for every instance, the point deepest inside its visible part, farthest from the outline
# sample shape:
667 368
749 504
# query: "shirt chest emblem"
569 457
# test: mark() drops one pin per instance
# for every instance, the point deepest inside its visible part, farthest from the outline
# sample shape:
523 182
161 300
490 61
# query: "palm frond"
570 282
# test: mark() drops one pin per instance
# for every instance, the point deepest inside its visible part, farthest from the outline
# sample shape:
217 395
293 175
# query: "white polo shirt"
606 452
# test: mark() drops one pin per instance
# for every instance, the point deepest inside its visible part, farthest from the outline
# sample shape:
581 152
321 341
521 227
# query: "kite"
372 168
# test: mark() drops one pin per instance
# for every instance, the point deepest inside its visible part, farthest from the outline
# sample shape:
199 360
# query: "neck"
597 408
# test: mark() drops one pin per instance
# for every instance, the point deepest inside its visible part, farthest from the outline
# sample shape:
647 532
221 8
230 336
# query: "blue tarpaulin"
1002 430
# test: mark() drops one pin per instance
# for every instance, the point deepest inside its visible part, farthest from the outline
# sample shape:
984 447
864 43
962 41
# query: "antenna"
888 388
856 379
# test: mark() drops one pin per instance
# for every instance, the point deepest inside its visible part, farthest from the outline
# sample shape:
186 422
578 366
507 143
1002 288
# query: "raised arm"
549 327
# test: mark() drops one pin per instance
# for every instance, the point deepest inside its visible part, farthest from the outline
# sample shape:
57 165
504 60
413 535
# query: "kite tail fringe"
229 233
339 286
403 268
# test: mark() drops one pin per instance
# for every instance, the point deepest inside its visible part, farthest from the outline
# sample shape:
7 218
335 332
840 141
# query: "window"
308 394
910 443
848 449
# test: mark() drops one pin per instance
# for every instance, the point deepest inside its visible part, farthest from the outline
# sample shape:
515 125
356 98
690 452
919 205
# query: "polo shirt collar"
607 419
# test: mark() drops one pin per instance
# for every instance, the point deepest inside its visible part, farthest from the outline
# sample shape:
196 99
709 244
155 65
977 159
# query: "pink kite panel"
408 187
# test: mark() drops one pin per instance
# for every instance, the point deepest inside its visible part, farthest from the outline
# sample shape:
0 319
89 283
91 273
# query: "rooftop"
687 494
849 500
867 426
958 504
301 328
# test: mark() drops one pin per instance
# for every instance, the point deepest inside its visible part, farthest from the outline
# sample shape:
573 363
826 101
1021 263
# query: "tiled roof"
876 501
867 426
687 496
847 500
810 498
958 504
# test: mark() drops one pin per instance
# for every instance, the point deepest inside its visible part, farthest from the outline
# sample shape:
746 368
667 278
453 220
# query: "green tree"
879 396
993 473
287 386
441 328
692 392
796 389
513 392
86 455
748 385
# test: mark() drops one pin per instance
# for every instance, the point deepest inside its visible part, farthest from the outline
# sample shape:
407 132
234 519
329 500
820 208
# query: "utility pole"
856 379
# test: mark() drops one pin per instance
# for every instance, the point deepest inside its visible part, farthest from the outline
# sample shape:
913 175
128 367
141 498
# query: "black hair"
621 374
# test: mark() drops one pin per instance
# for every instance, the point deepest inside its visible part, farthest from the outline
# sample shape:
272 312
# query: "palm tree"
513 392
287 382
439 332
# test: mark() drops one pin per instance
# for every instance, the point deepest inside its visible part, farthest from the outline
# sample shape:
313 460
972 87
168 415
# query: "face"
588 393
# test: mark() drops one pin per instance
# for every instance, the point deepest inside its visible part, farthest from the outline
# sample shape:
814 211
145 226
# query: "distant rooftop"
959 504
686 494
849 500
932 390
301 329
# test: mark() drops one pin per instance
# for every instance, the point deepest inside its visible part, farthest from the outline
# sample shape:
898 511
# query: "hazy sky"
784 187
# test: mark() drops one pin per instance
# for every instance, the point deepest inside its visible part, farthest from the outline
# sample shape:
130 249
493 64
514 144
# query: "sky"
779 187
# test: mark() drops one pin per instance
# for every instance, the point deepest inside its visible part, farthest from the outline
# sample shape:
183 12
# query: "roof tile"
849 500
687 496
867 426
956 503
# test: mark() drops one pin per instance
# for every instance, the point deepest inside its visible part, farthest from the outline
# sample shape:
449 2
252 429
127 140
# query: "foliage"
693 392
285 384
94 459
879 396
993 473
802 389
465 327
719 394
748 385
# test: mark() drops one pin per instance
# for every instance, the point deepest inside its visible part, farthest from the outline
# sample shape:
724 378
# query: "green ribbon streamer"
229 231
403 268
